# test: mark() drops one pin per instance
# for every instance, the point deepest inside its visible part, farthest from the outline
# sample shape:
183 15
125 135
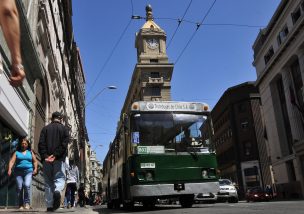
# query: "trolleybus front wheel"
186 201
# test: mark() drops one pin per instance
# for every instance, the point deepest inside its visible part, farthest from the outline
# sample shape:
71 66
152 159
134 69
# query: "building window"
244 124
291 170
252 176
268 55
155 91
282 35
296 15
242 107
247 148
153 60
155 75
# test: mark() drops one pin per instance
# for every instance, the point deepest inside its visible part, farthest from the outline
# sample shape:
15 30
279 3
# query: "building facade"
54 82
95 175
279 63
238 138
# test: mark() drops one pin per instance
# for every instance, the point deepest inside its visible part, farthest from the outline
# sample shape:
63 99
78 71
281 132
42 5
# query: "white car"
227 192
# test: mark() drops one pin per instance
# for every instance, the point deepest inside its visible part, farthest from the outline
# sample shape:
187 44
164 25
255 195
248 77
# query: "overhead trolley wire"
197 27
110 55
112 52
211 24
198 24
179 22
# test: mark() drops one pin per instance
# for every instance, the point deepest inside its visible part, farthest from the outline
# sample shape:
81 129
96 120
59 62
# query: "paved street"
277 207
78 210
295 207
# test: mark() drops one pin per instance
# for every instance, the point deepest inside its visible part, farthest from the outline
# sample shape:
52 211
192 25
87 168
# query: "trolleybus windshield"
167 132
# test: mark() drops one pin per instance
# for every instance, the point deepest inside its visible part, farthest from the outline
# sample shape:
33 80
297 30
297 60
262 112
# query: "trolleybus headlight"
135 106
208 173
204 173
149 176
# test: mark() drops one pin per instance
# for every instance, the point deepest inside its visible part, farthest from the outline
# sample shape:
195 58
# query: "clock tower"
151 41
151 79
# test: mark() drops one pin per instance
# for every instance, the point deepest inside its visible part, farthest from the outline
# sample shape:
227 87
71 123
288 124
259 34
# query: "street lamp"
96 147
112 87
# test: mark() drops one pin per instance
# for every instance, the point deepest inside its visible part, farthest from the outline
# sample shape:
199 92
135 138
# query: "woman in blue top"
26 166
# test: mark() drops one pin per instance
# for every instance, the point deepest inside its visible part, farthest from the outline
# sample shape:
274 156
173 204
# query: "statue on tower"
149 15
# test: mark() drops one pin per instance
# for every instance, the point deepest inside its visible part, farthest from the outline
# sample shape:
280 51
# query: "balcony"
156 81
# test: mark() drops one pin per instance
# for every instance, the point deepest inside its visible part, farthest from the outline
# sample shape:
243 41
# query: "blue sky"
218 57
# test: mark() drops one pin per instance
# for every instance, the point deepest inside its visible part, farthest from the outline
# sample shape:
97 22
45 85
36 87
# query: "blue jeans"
23 179
70 193
54 179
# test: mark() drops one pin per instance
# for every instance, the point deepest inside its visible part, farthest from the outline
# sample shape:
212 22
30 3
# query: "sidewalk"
76 210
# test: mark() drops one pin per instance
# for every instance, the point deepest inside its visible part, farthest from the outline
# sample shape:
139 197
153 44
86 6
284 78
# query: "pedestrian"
72 181
26 166
81 196
66 169
53 142
9 21
268 190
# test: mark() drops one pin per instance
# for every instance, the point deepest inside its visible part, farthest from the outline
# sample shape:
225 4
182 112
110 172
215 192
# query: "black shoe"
57 200
50 209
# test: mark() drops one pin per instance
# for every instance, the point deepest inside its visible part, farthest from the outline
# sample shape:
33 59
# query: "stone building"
95 175
54 82
279 62
238 137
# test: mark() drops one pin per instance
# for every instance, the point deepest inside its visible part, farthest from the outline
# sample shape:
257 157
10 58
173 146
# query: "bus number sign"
150 149
142 150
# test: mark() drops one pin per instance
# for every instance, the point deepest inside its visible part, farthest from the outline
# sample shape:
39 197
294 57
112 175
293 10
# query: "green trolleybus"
159 153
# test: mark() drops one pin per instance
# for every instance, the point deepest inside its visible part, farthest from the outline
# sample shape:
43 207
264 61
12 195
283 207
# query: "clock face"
152 43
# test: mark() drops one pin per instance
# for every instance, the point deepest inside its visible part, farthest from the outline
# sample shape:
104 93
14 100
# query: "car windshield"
175 132
256 190
224 182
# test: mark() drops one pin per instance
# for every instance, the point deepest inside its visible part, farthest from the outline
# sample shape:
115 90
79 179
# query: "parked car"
257 194
228 191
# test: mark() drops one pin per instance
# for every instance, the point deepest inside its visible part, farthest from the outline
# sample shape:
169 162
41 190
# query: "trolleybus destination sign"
171 106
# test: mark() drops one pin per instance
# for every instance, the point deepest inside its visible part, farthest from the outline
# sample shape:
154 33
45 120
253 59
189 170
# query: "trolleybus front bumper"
172 190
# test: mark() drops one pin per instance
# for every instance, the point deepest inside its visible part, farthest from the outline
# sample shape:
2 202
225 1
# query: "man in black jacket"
53 143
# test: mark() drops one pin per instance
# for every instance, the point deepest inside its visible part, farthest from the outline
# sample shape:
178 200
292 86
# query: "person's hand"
35 172
17 75
50 158
9 172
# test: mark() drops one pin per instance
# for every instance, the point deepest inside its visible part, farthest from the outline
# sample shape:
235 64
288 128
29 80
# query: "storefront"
8 143
14 123
299 150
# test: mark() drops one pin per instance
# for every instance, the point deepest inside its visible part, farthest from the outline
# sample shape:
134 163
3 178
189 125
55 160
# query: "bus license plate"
147 165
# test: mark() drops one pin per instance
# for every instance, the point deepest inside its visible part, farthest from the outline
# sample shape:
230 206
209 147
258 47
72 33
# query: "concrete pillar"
293 113
300 54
